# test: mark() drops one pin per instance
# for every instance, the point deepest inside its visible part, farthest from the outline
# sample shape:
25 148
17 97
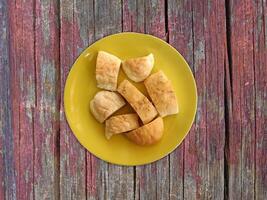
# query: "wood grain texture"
46 113
195 29
156 174
97 170
242 135
215 61
133 15
22 63
260 67
180 37
152 181
108 181
72 154
195 156
247 140
7 169
224 155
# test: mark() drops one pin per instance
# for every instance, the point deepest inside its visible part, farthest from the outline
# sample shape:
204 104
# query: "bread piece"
107 70
147 134
162 94
138 101
104 104
120 124
138 69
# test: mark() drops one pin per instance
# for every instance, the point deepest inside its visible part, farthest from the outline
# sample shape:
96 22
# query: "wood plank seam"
35 90
228 97
255 123
60 100
166 20
166 8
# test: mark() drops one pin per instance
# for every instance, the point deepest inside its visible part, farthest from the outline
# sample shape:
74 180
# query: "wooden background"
223 157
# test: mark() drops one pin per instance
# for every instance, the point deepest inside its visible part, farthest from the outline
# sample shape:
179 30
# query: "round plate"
81 87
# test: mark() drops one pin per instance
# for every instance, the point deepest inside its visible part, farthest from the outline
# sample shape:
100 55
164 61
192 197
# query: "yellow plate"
81 87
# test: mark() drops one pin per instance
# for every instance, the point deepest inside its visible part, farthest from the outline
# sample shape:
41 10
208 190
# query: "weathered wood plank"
46 115
108 181
133 16
7 169
96 170
260 67
203 153
215 61
23 93
180 37
195 164
242 137
156 174
134 20
155 18
72 154
152 181
107 18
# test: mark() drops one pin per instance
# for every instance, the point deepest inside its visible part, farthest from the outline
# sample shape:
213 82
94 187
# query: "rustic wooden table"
223 157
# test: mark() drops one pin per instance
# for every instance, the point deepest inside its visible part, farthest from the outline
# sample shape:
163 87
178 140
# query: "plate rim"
133 163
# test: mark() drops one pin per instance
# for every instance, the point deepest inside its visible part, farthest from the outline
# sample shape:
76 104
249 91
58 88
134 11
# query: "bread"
140 103
147 134
138 69
162 94
120 124
107 70
104 104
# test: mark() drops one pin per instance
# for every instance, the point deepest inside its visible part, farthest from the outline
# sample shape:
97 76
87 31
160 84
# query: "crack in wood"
228 96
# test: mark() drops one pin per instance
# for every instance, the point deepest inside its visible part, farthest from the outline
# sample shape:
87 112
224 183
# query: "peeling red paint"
22 67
